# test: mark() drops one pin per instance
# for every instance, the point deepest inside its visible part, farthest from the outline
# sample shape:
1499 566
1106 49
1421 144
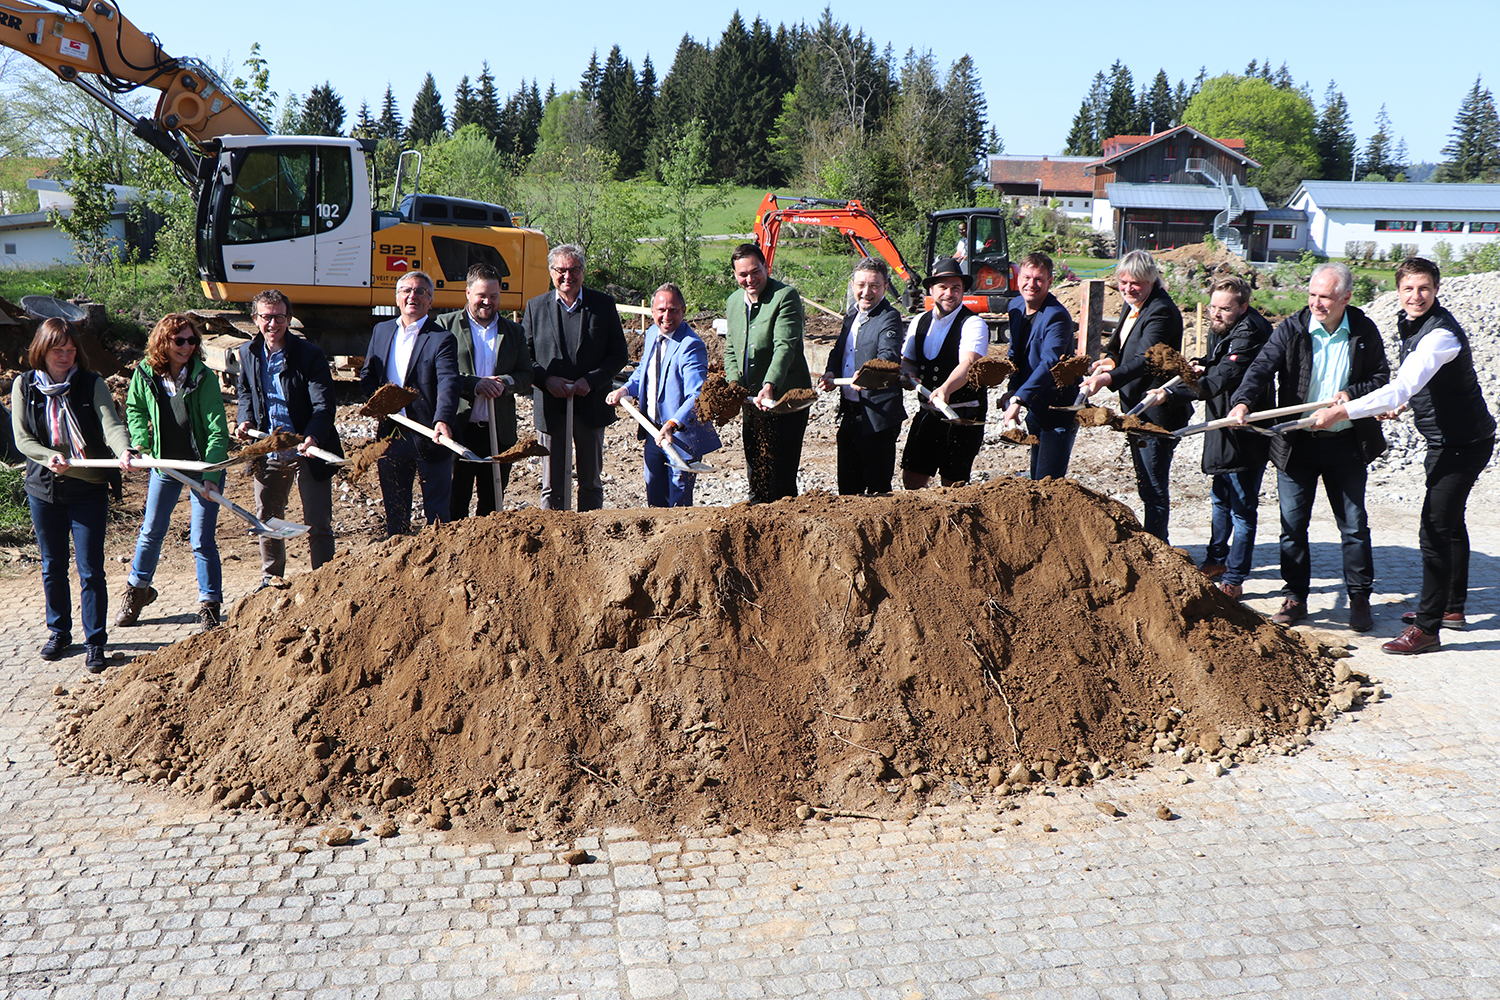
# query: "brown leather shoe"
1453 619
1292 611
133 603
1211 571
1413 640
1233 590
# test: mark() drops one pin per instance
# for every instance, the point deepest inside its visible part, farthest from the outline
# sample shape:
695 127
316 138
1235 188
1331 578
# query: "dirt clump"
1020 437
743 666
719 400
527 447
991 371
1166 362
1069 369
277 441
363 458
1103 416
389 398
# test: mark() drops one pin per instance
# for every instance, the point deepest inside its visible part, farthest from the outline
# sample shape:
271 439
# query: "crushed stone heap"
741 666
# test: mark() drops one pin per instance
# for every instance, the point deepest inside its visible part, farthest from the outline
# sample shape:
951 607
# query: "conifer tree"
390 125
428 120
323 112
487 100
1336 139
1473 149
465 105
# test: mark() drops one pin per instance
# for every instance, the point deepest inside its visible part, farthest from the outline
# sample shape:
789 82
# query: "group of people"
465 368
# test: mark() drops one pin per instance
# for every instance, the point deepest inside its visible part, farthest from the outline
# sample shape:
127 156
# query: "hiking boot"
1292 611
208 616
93 657
1360 619
135 601
56 645
1414 640
1453 620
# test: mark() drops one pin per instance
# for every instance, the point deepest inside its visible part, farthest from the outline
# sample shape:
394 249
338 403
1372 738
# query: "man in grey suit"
577 347
493 365
869 419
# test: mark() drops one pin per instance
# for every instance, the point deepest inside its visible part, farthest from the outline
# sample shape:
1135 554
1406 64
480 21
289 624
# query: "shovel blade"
278 528
867 378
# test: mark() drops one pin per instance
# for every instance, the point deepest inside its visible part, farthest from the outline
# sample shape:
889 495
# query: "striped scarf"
63 431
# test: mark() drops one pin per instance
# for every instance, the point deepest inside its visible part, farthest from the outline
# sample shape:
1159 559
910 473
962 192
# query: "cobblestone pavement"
1367 866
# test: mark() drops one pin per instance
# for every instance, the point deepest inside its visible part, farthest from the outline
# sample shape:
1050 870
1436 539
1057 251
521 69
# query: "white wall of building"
43 245
1329 230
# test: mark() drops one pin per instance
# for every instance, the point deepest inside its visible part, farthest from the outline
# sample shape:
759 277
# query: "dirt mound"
748 665
1216 258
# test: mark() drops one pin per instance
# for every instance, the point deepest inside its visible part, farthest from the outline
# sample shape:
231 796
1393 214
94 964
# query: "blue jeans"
1336 460
1054 447
1231 538
161 498
1152 458
80 510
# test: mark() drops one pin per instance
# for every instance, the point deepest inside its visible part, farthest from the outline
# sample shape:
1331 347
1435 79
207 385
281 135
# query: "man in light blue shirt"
1328 351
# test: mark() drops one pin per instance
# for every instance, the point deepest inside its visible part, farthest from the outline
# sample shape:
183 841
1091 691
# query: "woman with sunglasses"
175 410
63 412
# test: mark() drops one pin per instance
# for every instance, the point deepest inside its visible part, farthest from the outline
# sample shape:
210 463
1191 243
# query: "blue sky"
1036 60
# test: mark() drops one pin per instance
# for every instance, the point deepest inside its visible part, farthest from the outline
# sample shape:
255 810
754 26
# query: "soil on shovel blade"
554 671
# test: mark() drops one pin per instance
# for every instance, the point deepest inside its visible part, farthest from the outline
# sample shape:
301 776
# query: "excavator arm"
90 45
848 217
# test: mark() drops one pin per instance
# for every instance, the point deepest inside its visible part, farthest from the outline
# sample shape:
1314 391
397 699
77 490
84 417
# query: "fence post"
1089 334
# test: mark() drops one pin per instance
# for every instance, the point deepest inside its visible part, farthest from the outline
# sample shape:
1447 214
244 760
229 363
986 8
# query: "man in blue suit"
674 363
1041 332
415 351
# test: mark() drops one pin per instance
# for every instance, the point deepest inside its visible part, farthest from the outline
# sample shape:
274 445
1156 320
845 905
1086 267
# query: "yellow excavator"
286 211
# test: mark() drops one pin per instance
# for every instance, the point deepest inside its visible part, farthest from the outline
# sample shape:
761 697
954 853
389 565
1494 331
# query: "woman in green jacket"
176 410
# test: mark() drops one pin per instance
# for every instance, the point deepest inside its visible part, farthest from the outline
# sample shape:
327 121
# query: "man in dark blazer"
1149 317
1041 332
577 348
493 365
674 363
869 419
285 384
414 351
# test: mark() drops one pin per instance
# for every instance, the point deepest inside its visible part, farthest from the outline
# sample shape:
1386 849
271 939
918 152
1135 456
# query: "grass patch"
15 512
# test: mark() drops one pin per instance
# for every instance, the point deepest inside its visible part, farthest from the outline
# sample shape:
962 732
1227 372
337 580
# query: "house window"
1196 150
1283 232
1442 227
1151 179
1395 225
1171 152
1484 227
10 248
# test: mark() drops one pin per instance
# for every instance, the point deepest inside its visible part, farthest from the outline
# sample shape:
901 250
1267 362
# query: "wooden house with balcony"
1156 192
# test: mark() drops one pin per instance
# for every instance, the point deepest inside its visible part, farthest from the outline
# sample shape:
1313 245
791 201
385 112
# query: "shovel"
443 439
1078 404
673 455
274 528
783 406
1142 406
325 455
1280 411
567 457
1292 425
948 412
870 378
164 464
498 478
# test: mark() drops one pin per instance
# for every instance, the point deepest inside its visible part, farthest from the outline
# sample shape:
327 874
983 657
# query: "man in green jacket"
763 352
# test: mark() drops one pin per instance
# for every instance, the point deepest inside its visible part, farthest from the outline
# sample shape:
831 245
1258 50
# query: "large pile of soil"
743 665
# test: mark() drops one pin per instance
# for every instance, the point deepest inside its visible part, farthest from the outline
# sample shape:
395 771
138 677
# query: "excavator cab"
976 237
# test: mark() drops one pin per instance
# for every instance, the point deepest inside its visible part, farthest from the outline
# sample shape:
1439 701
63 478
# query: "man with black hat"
940 346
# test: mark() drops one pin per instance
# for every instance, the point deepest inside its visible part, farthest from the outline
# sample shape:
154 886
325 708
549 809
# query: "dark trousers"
1444 538
588 468
1152 458
773 452
1336 460
80 510
1053 450
1234 517
867 462
397 469
471 477
273 486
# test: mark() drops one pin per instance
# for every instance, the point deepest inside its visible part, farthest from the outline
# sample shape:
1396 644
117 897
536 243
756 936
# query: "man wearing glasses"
285 384
415 351
577 347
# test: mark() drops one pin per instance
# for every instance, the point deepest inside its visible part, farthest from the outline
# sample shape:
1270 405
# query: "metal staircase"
1234 203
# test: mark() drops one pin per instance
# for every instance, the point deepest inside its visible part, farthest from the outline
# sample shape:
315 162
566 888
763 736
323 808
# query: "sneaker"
1360 618
134 602
208 616
1292 611
56 645
1211 571
1233 590
93 657
1453 619
1414 640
